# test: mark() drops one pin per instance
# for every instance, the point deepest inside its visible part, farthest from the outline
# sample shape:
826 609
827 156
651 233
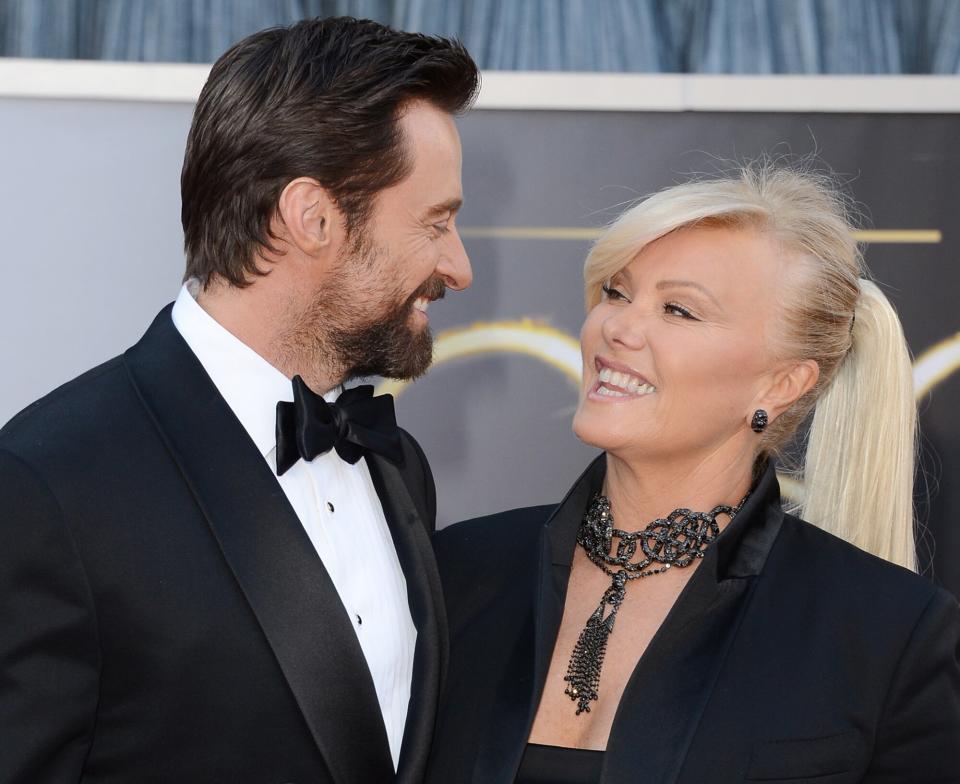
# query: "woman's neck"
640 492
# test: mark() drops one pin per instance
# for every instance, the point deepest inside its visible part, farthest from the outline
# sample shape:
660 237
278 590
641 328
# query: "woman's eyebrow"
668 284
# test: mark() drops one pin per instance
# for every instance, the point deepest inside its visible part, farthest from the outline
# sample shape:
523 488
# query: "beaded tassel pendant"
583 671
677 540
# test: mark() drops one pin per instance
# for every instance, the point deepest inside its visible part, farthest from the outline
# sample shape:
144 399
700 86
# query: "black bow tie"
310 426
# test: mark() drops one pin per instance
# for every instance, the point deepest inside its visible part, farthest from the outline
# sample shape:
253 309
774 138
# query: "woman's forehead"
705 251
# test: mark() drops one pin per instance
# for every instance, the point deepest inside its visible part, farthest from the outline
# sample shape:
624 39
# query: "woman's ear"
309 215
787 386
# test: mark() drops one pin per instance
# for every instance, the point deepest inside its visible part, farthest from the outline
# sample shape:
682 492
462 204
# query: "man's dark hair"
320 99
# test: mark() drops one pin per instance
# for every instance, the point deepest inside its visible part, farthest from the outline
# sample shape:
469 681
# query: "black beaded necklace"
676 540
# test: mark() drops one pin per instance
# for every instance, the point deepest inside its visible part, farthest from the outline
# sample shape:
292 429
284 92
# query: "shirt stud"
329 506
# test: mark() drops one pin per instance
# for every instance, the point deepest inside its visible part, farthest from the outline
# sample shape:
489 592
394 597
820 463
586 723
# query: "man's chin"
414 369
417 356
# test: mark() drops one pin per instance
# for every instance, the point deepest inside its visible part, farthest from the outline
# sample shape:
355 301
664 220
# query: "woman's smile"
616 382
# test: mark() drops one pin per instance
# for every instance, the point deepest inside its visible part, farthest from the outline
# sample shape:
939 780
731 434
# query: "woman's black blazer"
790 656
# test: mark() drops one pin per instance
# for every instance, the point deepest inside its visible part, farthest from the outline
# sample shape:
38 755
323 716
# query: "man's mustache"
433 288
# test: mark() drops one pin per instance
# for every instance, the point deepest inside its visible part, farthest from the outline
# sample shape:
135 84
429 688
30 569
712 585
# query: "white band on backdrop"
181 83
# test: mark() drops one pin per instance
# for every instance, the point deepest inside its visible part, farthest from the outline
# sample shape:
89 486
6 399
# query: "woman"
668 621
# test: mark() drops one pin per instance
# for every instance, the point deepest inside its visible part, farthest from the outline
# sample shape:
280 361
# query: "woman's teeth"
625 384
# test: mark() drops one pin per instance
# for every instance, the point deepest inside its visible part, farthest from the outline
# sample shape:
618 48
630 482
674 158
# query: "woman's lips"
617 381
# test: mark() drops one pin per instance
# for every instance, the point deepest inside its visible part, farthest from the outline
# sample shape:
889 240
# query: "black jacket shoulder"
72 416
489 542
482 556
858 579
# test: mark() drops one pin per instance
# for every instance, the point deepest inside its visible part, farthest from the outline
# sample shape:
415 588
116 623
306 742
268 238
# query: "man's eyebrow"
667 284
449 206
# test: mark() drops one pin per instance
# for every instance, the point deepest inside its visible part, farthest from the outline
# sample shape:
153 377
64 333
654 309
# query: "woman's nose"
624 328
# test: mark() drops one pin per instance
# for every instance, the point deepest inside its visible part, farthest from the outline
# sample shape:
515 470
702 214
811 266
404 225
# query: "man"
209 573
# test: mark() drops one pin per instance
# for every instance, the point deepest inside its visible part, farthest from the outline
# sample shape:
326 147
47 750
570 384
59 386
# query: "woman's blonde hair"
858 467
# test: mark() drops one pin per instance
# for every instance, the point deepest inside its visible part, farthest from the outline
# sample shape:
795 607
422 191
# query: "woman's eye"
611 293
674 309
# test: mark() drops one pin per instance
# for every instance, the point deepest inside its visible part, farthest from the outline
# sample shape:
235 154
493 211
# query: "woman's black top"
558 765
789 656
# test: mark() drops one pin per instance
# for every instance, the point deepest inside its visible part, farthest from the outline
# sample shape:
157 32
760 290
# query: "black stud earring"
759 421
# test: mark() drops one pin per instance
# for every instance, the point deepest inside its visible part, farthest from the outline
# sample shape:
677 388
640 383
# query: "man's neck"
268 326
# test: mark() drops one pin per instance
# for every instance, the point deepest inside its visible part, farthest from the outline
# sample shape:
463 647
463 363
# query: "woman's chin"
593 431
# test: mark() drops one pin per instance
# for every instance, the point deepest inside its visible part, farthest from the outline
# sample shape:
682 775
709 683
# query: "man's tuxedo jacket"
163 614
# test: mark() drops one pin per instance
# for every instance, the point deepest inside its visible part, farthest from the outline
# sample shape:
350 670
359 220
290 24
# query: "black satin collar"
740 550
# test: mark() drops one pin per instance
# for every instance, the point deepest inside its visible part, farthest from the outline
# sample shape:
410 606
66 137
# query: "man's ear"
787 385
309 215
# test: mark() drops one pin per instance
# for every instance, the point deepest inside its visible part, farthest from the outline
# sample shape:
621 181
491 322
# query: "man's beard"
350 339
389 346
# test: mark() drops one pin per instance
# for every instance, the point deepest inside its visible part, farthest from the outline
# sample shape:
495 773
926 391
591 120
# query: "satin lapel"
502 751
425 596
559 545
262 540
665 697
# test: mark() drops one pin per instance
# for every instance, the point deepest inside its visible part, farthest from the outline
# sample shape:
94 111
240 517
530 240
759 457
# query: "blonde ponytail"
861 450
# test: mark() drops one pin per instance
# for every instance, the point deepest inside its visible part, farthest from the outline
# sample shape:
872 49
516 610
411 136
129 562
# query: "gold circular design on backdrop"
935 364
525 336
558 349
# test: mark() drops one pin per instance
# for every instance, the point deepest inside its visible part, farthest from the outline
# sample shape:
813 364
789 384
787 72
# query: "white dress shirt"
337 505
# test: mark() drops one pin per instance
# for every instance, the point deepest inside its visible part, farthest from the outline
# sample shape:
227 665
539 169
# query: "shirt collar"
249 384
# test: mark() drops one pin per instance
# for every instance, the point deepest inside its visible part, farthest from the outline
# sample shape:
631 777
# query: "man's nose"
454 265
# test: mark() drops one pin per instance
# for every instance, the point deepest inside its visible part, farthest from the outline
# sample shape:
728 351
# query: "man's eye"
611 293
442 228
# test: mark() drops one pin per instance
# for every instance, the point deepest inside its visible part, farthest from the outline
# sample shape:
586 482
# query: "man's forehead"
424 125
432 186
